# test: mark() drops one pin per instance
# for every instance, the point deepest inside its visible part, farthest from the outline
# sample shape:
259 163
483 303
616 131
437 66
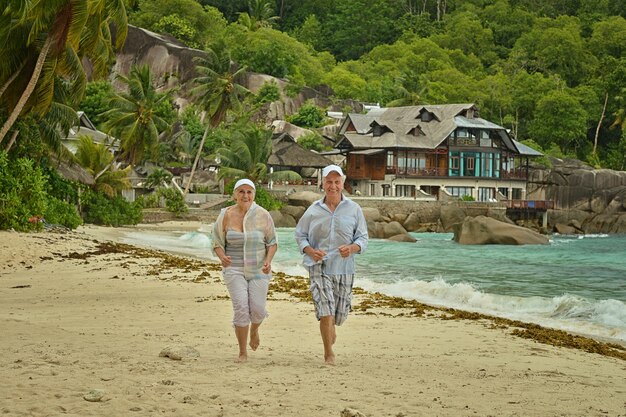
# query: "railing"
443 172
530 204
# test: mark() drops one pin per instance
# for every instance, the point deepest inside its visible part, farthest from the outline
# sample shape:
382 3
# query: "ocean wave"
603 318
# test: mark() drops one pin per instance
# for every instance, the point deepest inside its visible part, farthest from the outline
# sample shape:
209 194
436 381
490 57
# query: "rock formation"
482 230
591 200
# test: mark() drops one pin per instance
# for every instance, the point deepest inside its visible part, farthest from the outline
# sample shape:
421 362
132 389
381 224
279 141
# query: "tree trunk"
10 80
195 161
29 89
13 137
595 139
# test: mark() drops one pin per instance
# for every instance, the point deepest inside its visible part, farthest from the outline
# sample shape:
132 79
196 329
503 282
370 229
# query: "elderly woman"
244 240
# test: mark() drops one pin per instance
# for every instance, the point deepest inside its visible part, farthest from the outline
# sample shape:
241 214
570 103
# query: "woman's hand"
225 260
267 267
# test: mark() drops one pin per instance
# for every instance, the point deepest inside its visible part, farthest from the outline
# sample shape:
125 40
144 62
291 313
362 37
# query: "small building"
287 154
433 151
86 128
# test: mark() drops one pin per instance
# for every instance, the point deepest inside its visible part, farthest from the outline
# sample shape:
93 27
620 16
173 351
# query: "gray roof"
526 150
399 123
287 153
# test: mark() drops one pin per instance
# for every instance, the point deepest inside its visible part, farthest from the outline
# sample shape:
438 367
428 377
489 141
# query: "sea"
576 283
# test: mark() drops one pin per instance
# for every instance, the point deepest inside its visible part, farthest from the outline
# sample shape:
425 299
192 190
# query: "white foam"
604 318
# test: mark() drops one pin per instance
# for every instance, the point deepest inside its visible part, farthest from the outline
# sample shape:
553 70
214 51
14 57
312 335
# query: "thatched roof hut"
287 154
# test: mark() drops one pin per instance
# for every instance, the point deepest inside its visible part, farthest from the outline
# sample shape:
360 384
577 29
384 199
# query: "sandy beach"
83 322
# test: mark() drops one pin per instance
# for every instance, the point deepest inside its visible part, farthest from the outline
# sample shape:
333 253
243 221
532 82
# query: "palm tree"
248 155
133 118
46 42
95 157
261 14
218 90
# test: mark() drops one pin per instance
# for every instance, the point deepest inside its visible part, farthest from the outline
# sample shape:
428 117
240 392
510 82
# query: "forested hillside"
552 71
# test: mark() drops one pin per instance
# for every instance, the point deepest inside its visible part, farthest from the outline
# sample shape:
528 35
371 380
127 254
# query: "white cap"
331 168
244 181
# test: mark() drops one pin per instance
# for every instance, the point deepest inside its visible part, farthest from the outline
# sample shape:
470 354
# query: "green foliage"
148 201
180 28
97 160
262 197
62 213
157 178
22 194
100 209
135 117
310 33
96 101
268 93
309 115
196 25
174 200
467 197
561 120
312 141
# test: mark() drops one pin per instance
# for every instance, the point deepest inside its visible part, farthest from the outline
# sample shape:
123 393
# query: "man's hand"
316 254
345 250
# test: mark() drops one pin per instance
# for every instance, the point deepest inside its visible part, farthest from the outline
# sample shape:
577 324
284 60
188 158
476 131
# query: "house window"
372 190
470 162
386 190
405 190
486 194
459 191
390 164
454 162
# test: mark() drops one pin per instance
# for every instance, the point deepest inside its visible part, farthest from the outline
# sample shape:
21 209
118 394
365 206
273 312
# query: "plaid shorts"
332 294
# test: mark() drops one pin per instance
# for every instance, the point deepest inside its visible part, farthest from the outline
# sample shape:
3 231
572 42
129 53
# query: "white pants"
248 297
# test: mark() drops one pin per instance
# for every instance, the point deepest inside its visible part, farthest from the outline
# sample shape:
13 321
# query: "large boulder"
451 215
294 211
372 214
282 220
482 230
303 198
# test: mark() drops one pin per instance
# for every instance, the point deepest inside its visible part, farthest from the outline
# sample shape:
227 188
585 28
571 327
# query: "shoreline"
82 313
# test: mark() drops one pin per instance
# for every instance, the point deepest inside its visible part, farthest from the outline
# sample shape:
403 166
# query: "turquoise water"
575 283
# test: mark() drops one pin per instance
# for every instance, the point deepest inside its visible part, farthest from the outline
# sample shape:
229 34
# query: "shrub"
268 93
174 200
23 199
262 197
63 213
309 115
101 209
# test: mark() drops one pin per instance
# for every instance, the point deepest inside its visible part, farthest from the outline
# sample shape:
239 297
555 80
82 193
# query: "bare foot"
255 340
329 360
243 357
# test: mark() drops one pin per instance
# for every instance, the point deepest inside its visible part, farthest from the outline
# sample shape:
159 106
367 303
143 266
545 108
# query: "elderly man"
329 233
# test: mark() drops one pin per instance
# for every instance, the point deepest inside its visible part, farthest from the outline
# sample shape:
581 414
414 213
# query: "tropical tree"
218 90
134 117
45 43
247 157
95 158
260 14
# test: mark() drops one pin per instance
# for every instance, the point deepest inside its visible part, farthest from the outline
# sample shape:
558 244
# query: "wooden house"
432 151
